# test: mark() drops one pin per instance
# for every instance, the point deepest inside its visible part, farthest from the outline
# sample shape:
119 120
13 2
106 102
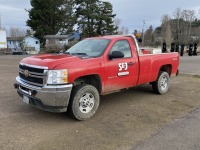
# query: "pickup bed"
96 66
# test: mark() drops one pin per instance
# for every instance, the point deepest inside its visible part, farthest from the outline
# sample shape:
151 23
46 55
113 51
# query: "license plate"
25 99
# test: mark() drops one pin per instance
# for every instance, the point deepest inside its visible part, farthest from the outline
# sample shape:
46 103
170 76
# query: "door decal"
123 67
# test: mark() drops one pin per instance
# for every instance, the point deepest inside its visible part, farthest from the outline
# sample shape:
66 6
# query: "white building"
27 43
3 41
56 40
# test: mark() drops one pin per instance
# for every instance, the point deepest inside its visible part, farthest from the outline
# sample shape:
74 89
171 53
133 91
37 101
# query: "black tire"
161 85
84 102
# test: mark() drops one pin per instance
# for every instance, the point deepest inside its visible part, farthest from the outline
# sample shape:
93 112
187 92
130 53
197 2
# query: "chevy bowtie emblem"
26 73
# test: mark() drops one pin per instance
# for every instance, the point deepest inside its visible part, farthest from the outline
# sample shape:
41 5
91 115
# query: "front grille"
31 69
36 76
31 79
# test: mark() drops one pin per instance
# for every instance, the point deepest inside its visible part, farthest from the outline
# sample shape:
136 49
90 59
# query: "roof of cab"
110 37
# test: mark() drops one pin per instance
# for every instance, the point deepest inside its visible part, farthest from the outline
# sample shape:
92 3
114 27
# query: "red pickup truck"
96 66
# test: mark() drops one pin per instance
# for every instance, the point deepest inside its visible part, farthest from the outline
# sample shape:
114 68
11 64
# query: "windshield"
89 47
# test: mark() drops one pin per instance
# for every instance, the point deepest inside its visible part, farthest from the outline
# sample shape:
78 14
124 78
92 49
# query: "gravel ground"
123 119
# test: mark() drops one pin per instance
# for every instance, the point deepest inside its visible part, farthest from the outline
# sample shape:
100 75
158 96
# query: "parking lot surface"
182 134
190 65
123 119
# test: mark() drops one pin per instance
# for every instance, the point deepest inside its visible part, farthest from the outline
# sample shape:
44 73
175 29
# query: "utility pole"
0 20
143 33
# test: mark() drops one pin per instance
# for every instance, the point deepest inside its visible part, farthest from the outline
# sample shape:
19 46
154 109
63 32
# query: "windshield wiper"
67 52
79 54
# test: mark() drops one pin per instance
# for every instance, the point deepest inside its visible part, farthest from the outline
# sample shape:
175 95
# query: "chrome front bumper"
48 98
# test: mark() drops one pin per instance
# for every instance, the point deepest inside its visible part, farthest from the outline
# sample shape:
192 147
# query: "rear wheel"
84 101
161 85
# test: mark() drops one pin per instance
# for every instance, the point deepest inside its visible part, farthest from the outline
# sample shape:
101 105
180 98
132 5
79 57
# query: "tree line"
89 17
183 27
96 17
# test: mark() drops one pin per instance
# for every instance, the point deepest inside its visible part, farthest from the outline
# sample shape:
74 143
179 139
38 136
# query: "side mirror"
140 40
116 54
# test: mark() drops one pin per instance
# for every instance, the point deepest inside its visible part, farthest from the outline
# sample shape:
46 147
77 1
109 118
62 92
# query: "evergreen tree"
196 23
149 36
87 13
51 17
70 16
105 22
95 18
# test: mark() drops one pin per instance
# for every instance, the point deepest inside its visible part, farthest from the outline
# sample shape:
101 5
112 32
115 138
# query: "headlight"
57 77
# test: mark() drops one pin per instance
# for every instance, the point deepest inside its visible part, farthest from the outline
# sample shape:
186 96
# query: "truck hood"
49 60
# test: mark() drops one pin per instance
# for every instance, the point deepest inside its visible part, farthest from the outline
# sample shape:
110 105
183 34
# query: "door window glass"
122 46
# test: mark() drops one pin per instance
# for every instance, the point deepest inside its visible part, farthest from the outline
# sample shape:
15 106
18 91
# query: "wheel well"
93 80
167 68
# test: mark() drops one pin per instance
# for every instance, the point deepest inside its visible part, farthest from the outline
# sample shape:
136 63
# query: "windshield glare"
89 47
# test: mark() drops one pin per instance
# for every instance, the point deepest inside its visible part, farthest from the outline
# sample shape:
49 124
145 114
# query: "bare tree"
16 32
178 13
185 27
166 32
188 17
168 37
120 30
117 22
191 15
123 30
181 28
177 17
126 30
22 45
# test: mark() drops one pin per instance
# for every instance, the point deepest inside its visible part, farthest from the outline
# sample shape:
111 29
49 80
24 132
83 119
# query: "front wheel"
161 85
84 101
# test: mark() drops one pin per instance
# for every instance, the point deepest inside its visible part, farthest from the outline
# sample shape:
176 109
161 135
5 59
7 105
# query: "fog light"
34 92
16 86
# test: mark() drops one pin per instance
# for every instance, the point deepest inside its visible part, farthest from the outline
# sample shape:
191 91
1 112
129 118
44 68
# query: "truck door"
121 72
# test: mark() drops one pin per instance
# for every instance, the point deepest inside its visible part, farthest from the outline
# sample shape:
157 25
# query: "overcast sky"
131 12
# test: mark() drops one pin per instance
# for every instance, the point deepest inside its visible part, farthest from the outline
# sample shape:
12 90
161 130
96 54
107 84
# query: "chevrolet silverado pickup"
73 81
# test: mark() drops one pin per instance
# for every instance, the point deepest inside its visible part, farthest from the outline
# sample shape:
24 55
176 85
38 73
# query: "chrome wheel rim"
86 103
164 83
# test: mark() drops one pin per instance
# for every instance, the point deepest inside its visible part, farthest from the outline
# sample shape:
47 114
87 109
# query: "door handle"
131 63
